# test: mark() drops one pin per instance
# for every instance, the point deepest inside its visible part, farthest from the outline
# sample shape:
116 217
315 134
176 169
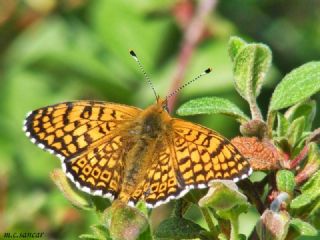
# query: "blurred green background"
53 51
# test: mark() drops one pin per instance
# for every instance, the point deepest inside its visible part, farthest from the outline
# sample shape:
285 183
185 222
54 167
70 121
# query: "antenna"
205 72
134 55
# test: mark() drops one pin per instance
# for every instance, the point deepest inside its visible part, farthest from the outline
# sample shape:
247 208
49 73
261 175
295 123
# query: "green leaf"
310 193
146 235
100 233
306 109
285 181
223 195
313 154
250 68
234 46
295 130
302 200
283 125
89 237
314 215
178 228
211 105
298 85
304 228
312 182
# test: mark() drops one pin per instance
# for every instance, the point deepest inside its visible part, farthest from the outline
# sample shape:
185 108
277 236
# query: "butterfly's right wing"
190 157
203 155
83 134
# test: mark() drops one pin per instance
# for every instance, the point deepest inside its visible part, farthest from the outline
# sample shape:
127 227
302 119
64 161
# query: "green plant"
282 149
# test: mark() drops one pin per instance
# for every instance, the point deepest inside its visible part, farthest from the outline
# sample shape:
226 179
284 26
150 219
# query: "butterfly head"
163 103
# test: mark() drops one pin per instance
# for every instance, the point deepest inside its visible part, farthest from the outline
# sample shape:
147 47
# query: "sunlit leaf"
304 228
250 67
212 105
298 85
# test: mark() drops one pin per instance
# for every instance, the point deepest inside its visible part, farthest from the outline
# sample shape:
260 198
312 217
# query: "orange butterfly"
122 152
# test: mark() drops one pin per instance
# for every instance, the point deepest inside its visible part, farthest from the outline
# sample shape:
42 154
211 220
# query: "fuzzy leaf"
302 200
313 154
211 105
178 228
282 126
306 109
285 181
89 237
250 67
223 195
295 130
234 47
303 228
310 192
313 182
314 215
298 85
100 231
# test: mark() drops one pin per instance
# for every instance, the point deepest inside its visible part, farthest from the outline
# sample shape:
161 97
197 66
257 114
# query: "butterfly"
126 153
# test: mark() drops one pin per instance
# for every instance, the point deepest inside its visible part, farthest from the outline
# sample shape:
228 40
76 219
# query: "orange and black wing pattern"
203 155
82 134
161 183
189 158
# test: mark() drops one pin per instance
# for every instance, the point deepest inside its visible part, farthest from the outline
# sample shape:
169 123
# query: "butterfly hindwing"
204 155
160 184
98 171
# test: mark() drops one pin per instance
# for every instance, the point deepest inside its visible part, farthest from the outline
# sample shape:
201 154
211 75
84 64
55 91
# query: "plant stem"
254 109
250 191
210 223
191 39
234 227
303 153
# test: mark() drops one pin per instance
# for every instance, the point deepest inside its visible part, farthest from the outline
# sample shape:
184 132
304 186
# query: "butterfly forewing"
67 129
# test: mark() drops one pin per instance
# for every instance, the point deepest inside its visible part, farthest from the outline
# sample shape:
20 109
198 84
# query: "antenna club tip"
208 70
132 53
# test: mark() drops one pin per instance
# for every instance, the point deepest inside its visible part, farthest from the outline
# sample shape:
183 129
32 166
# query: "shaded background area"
53 51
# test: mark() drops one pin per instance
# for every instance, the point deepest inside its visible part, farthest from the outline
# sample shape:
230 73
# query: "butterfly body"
122 152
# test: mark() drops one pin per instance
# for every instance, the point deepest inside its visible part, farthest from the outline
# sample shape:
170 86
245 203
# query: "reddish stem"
306 173
191 39
303 153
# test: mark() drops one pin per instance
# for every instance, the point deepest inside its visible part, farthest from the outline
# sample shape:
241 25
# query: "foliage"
52 51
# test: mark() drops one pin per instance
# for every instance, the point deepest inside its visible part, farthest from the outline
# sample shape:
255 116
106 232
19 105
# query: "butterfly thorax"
147 135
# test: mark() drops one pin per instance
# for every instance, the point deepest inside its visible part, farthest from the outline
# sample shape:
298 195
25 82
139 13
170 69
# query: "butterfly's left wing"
85 136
